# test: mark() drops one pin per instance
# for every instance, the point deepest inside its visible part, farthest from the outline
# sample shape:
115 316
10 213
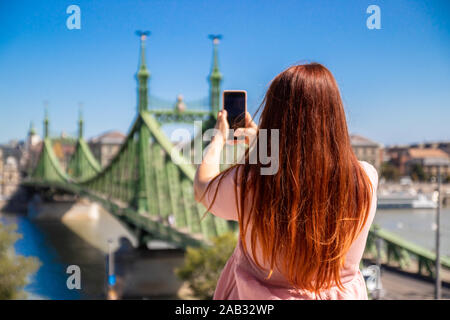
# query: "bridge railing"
395 249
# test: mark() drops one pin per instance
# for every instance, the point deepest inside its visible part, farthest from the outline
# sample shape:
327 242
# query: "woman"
303 229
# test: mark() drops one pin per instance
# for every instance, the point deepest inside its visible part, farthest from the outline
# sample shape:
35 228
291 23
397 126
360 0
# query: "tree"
202 266
14 269
389 171
447 179
417 172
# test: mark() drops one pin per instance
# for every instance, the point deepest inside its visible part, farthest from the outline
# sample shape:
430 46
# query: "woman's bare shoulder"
370 171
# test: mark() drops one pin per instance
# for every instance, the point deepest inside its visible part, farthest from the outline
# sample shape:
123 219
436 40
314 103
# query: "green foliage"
14 269
371 248
417 173
389 172
202 266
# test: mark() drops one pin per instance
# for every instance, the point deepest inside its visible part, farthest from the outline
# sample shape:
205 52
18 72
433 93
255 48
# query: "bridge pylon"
48 167
82 164
143 150
215 78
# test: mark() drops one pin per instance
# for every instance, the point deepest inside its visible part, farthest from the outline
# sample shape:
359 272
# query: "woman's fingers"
222 113
222 123
239 132
248 133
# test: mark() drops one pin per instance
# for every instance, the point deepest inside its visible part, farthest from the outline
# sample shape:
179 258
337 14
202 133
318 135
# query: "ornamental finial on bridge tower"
143 74
46 120
215 77
80 120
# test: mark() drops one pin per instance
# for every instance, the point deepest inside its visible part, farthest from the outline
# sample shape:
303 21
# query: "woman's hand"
249 132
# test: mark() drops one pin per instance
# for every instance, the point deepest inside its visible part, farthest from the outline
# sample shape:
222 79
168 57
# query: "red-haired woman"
303 228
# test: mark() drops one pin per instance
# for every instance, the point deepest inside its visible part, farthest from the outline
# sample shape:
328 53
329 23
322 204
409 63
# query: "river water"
417 225
76 239
58 246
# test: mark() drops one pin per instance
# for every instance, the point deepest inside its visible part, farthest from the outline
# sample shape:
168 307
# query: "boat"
408 200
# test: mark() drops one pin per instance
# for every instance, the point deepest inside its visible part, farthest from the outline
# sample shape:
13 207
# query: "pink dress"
241 278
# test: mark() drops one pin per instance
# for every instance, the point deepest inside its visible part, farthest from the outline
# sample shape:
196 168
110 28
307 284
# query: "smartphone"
235 102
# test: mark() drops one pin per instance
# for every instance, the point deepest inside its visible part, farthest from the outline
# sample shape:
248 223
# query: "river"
417 225
78 237
57 246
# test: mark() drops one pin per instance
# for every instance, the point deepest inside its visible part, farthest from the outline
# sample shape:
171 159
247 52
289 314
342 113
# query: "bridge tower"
143 74
46 133
80 124
78 167
144 135
215 78
47 168
82 164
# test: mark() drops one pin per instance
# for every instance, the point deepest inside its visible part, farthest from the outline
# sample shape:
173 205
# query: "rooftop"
360 141
421 153
109 137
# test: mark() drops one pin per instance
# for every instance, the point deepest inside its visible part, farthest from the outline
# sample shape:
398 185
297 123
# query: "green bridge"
142 186
151 194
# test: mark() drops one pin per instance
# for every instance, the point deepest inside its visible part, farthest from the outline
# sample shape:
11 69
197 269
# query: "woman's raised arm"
210 166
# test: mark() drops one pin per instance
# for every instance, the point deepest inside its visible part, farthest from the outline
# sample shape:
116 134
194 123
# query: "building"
367 150
64 148
33 138
32 150
11 177
398 156
405 157
442 145
427 158
1 174
105 146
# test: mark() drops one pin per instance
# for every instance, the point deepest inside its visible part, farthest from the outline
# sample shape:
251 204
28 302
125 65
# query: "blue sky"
395 82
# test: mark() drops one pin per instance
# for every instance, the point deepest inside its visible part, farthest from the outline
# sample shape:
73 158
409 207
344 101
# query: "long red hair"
305 216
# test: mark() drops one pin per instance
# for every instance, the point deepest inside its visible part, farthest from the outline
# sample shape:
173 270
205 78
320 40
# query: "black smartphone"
235 102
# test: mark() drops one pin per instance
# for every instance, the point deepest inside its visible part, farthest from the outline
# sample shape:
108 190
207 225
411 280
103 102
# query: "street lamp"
438 162
111 292
372 275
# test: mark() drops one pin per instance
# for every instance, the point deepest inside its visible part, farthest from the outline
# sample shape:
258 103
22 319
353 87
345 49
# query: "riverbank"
426 188
65 234
57 247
